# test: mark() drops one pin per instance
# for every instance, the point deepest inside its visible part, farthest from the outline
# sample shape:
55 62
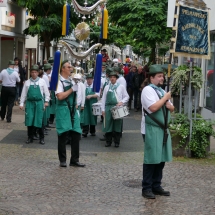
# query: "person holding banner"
114 94
90 121
67 117
157 139
33 91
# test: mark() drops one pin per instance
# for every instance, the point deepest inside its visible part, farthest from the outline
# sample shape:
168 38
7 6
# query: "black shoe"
93 134
148 194
35 137
116 145
63 164
161 192
42 141
77 164
8 121
30 140
2 119
84 134
45 132
107 144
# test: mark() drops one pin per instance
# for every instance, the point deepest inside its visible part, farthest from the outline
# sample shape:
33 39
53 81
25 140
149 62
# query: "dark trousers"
8 95
114 135
32 130
63 139
130 93
152 175
137 95
87 128
20 88
51 118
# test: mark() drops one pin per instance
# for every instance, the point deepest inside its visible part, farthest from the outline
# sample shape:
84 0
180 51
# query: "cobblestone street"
32 183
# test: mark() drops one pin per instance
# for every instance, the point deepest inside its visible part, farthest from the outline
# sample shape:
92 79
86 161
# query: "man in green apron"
157 139
67 117
104 83
103 80
52 93
114 94
90 121
32 93
52 102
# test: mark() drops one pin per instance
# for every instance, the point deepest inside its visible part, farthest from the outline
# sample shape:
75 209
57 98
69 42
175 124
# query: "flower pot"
176 150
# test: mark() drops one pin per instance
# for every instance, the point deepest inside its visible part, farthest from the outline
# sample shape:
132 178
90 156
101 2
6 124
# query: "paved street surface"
32 183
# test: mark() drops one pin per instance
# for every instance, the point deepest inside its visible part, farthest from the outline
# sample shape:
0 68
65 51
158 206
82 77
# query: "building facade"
12 39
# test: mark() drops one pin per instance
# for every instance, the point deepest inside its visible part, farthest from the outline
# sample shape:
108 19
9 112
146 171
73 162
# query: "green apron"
53 103
154 149
88 117
110 124
34 108
63 117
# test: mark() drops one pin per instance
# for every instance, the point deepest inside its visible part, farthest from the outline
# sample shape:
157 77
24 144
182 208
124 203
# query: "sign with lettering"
3 3
192 33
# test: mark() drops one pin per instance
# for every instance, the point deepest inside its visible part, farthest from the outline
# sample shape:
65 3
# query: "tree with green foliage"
144 22
46 21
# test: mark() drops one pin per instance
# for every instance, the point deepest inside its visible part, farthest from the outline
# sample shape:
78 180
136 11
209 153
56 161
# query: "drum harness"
163 126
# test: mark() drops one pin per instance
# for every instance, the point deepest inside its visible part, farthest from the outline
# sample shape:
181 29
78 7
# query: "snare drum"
119 112
97 109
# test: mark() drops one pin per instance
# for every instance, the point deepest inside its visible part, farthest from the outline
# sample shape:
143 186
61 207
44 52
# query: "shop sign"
192 33
3 3
8 19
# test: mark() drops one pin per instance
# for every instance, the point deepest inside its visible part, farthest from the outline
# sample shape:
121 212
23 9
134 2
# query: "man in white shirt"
121 79
67 117
89 120
81 91
33 93
47 70
9 78
114 95
52 103
51 62
157 140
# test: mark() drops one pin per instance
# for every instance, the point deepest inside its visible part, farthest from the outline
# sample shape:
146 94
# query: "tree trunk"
152 58
47 52
47 45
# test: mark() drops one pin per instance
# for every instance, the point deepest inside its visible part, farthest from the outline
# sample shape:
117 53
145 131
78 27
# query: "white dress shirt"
50 75
121 80
43 90
121 92
46 79
9 80
81 94
60 88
